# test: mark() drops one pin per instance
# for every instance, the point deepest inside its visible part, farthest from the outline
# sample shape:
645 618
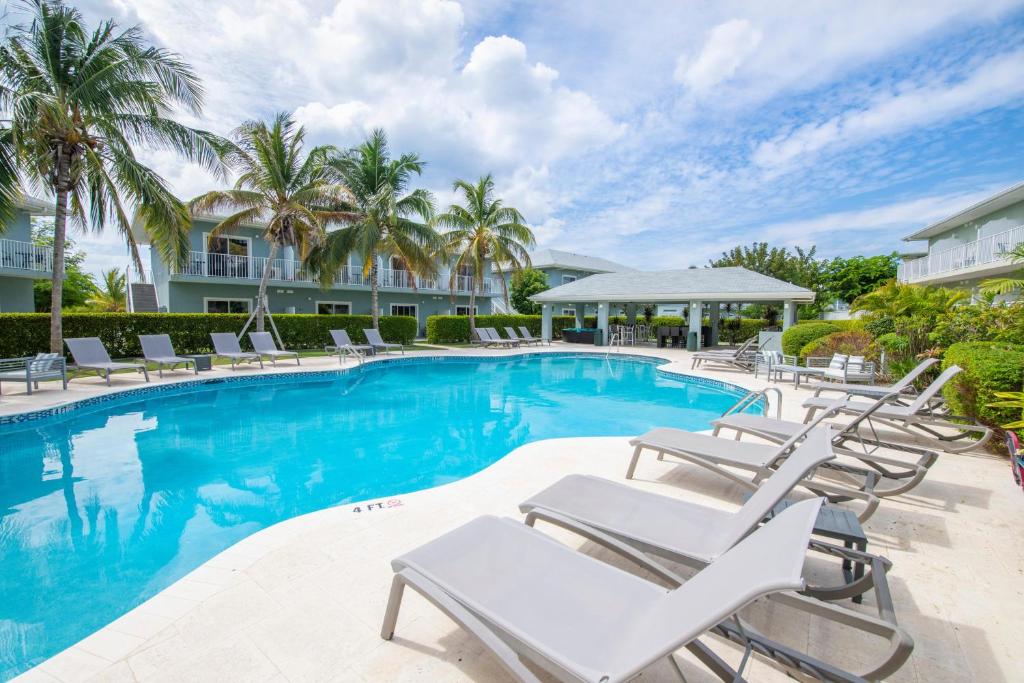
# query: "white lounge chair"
90 354
344 346
225 345
742 357
904 386
374 339
529 598
695 535
263 344
157 348
33 369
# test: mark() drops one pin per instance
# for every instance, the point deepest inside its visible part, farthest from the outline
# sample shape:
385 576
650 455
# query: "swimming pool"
104 506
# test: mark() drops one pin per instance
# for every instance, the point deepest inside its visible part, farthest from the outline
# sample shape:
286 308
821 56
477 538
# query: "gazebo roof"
673 286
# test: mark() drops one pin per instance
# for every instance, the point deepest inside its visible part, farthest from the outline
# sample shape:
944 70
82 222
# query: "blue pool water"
105 506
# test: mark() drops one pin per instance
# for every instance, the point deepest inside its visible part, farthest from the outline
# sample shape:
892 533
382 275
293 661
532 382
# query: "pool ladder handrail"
614 341
752 396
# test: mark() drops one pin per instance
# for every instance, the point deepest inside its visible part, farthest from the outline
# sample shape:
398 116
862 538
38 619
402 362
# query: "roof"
553 258
142 236
34 205
999 200
673 286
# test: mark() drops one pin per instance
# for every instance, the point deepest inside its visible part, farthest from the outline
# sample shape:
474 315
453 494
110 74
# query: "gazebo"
694 287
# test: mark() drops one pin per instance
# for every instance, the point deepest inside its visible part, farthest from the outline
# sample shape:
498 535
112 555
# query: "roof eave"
1000 200
801 297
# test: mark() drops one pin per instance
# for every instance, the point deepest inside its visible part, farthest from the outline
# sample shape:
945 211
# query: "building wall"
19 228
995 222
16 295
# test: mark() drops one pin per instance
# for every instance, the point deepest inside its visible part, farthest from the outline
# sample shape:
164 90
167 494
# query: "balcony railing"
251 268
25 256
994 249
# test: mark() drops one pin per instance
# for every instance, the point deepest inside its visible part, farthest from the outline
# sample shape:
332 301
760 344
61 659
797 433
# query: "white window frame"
569 311
333 303
229 299
566 279
415 307
248 248
476 310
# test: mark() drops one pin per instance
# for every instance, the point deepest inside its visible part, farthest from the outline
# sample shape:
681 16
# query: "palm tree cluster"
75 103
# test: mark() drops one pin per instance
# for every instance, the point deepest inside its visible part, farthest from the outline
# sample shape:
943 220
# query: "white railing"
25 256
992 249
250 268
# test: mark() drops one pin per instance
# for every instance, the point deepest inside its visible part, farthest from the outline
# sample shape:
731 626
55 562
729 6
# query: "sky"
654 133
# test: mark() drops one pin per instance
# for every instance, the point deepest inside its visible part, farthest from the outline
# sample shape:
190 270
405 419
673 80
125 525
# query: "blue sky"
653 133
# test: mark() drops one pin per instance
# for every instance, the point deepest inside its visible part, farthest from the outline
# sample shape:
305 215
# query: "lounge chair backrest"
43 362
88 351
909 378
494 333
801 463
373 337
935 387
769 560
341 338
838 362
525 332
512 334
156 345
262 342
225 342
742 348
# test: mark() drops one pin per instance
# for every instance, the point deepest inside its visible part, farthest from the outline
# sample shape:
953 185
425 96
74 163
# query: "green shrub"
980 322
26 334
798 336
454 329
877 327
988 367
893 343
849 342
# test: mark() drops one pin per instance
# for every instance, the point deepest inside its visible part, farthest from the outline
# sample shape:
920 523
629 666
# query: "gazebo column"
581 315
714 313
788 314
602 320
695 320
545 321
631 314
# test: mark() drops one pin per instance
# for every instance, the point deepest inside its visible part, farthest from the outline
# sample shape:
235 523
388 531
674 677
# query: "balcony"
251 268
25 258
967 259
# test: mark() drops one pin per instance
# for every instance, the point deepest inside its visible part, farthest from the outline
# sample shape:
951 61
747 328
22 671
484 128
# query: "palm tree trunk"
472 305
60 225
260 310
374 294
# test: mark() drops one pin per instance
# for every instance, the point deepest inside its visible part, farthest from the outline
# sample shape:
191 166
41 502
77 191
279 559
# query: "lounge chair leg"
633 461
108 378
145 373
387 629
160 371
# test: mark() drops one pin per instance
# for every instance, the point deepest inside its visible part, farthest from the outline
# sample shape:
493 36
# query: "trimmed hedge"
988 367
25 334
798 336
848 342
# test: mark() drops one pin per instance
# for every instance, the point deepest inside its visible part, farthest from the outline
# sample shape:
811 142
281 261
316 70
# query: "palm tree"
996 286
483 230
76 102
277 185
111 294
381 217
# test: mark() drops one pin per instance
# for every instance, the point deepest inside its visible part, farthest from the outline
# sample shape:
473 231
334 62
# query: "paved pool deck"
303 600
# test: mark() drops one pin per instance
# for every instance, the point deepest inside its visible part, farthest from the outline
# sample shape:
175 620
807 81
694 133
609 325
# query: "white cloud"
992 83
727 47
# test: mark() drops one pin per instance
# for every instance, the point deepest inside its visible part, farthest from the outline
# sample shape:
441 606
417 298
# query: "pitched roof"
1000 200
673 286
554 258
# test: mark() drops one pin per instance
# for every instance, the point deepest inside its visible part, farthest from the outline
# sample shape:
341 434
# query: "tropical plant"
77 285
913 310
481 232
111 294
846 279
380 218
528 282
1010 399
292 194
77 101
996 286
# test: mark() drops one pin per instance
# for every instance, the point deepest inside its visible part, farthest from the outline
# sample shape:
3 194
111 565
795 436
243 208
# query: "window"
566 279
464 310
227 256
333 308
569 311
227 305
404 309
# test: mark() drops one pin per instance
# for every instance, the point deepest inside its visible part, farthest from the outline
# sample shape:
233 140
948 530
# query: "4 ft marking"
368 507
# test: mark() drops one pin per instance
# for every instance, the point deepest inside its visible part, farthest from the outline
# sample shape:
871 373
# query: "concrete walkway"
303 600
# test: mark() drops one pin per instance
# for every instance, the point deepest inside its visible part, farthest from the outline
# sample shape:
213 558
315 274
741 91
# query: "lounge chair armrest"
605 540
837 493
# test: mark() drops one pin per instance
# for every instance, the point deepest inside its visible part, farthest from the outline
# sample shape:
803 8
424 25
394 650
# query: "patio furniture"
671 336
498 339
157 348
374 339
904 386
344 345
203 361
33 369
225 345
782 364
849 369
529 338
479 337
89 354
526 596
740 357
263 344
515 337
579 335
